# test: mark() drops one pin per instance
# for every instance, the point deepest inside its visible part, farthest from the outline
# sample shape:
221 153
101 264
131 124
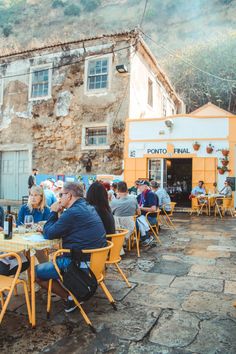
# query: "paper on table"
34 238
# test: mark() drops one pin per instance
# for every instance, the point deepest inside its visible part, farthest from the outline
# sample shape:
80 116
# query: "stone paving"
180 301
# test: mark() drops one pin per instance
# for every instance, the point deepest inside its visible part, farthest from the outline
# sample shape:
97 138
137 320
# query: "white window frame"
101 90
1 90
94 147
38 68
164 105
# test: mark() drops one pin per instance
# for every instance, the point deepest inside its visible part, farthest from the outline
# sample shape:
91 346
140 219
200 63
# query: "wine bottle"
8 222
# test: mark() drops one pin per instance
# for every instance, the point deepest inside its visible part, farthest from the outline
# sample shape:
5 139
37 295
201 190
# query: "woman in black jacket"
97 196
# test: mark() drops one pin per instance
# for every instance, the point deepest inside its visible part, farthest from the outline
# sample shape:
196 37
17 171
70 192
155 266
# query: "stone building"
64 106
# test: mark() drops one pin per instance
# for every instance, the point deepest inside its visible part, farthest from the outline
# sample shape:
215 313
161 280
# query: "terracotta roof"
131 34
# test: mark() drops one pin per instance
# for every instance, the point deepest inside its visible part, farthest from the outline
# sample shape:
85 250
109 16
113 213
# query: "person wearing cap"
134 189
58 188
162 195
148 202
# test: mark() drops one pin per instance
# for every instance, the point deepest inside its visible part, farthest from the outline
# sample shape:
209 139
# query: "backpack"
82 283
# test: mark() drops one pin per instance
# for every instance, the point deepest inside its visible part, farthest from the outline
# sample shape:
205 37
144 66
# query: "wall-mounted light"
122 69
169 123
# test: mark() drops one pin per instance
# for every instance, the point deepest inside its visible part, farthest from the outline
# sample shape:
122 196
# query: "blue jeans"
46 271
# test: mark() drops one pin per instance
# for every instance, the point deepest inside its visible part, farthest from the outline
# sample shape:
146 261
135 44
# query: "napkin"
35 238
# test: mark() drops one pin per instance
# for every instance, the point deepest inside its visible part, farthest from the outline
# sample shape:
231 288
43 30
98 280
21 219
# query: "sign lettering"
164 151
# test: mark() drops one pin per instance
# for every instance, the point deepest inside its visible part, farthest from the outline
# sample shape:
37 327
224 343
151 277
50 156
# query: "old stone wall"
54 126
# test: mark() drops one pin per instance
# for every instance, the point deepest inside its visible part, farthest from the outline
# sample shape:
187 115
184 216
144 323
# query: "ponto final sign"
164 151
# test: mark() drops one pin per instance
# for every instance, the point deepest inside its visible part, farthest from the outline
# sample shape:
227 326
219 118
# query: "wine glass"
29 221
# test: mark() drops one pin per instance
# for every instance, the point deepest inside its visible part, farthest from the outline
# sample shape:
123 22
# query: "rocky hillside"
194 40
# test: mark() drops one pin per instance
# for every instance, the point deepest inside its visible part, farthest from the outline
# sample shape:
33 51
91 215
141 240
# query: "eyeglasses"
61 194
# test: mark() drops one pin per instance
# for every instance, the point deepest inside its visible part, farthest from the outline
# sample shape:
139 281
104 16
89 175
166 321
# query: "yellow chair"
114 257
154 227
8 283
166 216
134 237
222 205
97 265
199 207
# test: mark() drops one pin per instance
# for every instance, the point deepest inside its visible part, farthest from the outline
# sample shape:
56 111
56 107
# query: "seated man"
79 226
162 195
226 191
148 202
124 208
199 189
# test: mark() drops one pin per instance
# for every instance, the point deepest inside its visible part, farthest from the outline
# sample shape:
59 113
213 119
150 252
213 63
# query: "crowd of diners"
200 189
82 219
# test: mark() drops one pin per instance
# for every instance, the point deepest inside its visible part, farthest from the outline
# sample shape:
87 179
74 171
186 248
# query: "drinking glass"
29 221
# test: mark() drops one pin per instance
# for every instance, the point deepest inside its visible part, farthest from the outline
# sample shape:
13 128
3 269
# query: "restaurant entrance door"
179 180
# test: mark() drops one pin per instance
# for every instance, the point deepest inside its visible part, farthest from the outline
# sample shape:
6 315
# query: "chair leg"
129 243
155 233
4 308
2 299
137 236
83 313
49 298
122 274
27 301
15 291
108 294
170 223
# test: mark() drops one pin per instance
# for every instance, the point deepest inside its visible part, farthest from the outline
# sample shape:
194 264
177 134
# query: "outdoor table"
209 199
19 243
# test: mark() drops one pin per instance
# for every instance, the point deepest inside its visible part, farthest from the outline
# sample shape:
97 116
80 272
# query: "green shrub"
90 5
72 10
57 3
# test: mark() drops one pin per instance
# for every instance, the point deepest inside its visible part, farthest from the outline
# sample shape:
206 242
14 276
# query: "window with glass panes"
97 74
40 83
96 136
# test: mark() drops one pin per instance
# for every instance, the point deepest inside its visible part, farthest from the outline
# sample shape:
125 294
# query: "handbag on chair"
82 283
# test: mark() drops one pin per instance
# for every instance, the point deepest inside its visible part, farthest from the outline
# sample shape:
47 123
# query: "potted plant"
225 161
222 169
225 152
209 148
196 146
80 178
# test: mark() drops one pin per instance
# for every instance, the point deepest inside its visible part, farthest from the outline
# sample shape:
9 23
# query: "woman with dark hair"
97 196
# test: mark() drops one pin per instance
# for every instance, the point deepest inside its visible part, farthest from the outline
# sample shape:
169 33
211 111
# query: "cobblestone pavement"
180 301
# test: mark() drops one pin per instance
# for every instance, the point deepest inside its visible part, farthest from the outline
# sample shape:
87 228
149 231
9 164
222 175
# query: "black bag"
82 283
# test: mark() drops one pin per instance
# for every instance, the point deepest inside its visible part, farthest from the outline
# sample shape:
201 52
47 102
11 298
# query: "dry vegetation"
199 31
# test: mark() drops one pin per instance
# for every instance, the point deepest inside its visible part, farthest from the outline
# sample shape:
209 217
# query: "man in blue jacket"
79 226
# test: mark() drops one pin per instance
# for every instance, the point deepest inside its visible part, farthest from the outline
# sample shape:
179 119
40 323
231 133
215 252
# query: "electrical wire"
66 64
143 15
187 62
